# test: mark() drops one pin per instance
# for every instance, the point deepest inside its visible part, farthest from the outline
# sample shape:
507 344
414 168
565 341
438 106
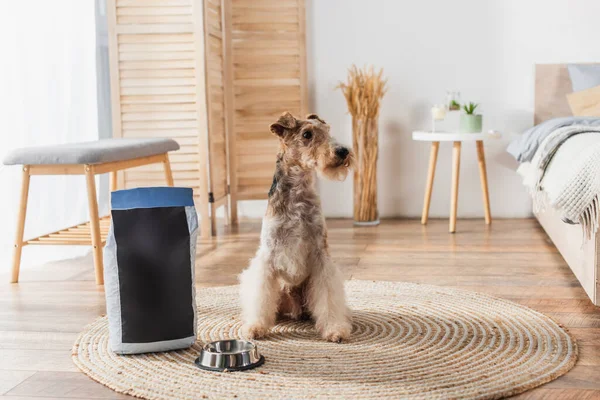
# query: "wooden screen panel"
213 16
158 88
268 78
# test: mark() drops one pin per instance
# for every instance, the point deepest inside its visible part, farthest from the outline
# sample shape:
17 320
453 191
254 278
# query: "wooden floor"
41 316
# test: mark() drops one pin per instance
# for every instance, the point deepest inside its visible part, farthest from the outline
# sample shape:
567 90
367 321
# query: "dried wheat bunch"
363 91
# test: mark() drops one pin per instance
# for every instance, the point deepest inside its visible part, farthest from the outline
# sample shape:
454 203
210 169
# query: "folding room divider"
212 75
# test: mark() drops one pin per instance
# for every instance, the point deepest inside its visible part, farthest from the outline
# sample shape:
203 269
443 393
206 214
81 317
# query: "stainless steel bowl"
230 355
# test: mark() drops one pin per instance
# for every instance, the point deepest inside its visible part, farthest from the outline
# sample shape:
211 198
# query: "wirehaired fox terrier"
292 273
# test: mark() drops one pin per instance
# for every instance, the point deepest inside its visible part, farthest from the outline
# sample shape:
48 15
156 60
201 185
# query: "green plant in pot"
454 106
469 121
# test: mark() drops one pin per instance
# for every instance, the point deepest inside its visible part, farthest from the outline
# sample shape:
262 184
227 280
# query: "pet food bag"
149 270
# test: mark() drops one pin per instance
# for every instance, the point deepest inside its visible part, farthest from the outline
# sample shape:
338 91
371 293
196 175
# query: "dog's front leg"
327 302
259 295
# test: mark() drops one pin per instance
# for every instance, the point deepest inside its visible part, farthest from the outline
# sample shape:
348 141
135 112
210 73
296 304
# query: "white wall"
485 49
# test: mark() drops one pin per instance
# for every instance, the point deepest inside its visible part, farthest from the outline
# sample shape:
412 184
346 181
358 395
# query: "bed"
553 86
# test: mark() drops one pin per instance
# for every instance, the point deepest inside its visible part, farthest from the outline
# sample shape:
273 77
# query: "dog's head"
308 143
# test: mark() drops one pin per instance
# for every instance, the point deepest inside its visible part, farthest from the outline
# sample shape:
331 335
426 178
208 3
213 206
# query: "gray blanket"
524 147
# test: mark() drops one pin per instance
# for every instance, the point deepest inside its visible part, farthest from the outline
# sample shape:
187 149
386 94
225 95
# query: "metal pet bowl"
230 355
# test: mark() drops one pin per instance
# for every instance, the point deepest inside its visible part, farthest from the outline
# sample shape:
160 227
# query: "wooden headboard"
552 84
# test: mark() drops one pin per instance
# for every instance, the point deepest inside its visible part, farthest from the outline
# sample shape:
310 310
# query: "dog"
292 274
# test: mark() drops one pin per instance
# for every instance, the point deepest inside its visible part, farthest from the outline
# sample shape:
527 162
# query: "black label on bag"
155 278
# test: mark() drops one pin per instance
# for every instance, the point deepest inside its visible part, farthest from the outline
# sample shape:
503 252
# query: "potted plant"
453 100
454 105
469 121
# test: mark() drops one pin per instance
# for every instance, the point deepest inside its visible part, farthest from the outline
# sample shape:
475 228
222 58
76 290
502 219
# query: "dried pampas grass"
363 91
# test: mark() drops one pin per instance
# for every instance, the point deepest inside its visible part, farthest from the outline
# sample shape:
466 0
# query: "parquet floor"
41 316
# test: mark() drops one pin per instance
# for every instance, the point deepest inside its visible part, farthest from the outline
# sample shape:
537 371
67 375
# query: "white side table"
457 138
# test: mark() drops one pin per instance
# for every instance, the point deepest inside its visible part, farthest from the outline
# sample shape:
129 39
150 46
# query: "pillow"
584 76
585 103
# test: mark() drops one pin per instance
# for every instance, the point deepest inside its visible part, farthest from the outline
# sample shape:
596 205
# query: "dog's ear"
286 121
315 116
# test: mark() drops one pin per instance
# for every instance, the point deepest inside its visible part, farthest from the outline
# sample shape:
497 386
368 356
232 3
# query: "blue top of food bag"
152 197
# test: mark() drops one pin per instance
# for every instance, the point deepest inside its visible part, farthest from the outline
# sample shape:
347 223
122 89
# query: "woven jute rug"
409 341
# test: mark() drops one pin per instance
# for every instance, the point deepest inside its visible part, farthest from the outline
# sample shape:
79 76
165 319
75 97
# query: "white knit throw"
566 174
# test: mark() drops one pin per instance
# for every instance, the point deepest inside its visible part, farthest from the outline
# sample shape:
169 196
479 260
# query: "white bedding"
570 182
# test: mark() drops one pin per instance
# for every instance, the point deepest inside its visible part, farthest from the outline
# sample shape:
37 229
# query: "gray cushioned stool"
89 159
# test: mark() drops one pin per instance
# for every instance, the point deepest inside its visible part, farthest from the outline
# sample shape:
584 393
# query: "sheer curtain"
48 95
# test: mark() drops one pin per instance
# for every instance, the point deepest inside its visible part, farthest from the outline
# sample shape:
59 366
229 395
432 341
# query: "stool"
89 159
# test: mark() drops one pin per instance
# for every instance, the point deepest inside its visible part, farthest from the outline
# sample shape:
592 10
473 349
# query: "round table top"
449 136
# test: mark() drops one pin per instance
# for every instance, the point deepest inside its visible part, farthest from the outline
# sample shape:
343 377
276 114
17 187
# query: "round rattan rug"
409 341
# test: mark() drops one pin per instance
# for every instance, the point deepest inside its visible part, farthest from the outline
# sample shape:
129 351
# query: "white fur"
288 262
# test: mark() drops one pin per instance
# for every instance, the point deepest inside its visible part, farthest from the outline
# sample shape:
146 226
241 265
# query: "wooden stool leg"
94 224
114 181
484 185
113 185
168 172
16 266
455 176
430 175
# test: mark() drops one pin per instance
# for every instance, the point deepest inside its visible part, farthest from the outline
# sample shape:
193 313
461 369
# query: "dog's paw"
337 334
254 331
